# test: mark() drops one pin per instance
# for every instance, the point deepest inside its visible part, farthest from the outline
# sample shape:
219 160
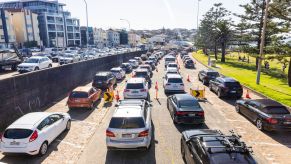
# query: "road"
85 142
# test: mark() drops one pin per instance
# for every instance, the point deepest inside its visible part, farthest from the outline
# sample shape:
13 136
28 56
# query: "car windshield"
115 71
277 110
232 84
79 95
189 103
17 133
172 65
100 78
189 61
134 86
31 60
216 74
127 123
175 80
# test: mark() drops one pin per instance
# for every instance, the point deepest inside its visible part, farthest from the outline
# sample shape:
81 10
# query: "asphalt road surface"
85 142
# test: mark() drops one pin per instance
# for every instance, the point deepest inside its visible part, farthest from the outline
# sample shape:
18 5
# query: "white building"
134 39
113 38
158 39
100 37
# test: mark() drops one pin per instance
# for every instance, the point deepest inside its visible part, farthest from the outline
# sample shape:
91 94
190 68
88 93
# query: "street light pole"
198 7
127 23
87 24
262 43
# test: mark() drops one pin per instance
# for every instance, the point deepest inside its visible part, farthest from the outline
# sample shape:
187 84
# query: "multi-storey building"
133 39
7 34
25 26
84 35
100 37
57 27
113 38
123 37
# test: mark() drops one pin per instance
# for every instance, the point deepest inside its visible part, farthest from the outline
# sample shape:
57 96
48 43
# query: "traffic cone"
188 78
248 95
117 98
156 86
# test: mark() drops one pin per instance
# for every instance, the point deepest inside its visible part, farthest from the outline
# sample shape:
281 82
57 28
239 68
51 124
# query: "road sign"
108 96
198 93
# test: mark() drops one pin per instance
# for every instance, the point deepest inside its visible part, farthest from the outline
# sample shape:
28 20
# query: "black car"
206 75
225 86
207 146
185 109
189 63
265 113
151 63
104 80
126 67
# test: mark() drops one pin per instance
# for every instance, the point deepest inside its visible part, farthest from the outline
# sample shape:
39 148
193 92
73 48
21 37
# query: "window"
17 133
79 95
134 86
2 37
46 122
175 80
127 122
55 117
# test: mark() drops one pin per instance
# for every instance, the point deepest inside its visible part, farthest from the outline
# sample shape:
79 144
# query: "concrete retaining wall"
34 91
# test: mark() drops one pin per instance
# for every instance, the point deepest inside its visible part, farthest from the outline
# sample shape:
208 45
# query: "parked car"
44 55
213 147
104 80
143 73
173 83
134 63
154 59
130 126
185 109
189 63
68 58
33 133
84 97
34 63
144 57
266 114
26 52
126 67
169 59
136 88
118 72
206 75
148 67
225 86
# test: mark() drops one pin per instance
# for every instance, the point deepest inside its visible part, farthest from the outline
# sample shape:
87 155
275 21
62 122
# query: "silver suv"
130 126
136 88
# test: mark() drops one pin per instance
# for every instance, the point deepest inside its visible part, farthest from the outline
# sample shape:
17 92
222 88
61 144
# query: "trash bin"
213 63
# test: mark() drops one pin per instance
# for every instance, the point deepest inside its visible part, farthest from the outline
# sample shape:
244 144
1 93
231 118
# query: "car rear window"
79 95
134 86
175 80
189 61
276 110
172 65
100 78
17 133
126 122
213 74
232 84
170 59
115 71
189 103
142 74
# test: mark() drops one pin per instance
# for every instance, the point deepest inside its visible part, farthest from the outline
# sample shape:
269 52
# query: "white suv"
34 63
136 88
32 133
118 72
173 83
130 126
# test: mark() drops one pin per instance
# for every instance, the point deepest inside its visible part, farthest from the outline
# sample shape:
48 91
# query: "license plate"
14 143
134 92
191 114
126 135
232 91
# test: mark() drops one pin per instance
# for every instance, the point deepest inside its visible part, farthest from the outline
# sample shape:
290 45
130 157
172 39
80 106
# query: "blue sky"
145 14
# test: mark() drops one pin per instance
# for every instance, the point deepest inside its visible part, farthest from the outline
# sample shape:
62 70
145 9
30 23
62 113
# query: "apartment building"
134 39
100 37
84 35
7 34
113 37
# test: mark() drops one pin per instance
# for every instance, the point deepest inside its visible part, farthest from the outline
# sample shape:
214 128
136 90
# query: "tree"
224 34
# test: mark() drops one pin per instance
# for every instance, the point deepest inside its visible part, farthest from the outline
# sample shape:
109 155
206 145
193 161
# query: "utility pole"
87 35
262 43
198 8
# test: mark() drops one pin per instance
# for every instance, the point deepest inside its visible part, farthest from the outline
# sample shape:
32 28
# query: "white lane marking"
71 144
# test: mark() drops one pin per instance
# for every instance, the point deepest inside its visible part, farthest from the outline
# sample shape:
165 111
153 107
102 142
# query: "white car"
69 58
118 72
134 63
32 133
136 88
173 83
172 65
169 59
34 63
172 70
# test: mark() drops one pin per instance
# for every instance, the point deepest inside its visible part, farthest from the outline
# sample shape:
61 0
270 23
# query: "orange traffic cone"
117 98
188 78
157 89
248 95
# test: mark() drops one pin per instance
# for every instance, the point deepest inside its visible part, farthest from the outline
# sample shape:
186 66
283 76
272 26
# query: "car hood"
27 64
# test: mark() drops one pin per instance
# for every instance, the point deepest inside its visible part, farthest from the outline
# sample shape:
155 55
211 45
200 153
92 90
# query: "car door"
253 110
244 107
217 84
41 64
46 130
57 125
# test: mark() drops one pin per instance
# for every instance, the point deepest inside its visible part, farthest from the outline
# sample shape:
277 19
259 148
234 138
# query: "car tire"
259 124
237 108
49 66
203 82
36 68
149 98
210 88
68 125
43 148
219 94
183 151
199 78
174 120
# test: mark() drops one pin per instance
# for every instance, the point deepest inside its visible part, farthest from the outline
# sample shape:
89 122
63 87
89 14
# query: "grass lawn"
271 85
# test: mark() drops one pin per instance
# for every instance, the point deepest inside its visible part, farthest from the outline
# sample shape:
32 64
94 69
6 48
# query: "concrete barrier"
34 91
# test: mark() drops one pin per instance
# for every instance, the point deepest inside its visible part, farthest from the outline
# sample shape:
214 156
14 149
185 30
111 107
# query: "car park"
118 72
206 75
104 80
266 114
34 63
169 59
130 126
33 133
84 97
173 83
185 109
134 63
126 67
214 147
136 88
189 64
148 67
226 86
68 58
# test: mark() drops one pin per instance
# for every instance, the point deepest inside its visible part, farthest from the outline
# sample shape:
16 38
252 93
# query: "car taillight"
126 90
180 113
201 113
109 133
143 133
272 120
143 90
33 136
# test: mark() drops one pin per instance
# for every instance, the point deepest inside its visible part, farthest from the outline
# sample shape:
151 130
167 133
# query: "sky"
145 14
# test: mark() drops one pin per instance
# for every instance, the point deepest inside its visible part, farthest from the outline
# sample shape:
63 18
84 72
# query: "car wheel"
210 88
43 149
182 151
68 125
259 124
219 94
203 82
49 66
36 68
174 120
149 98
199 78
237 109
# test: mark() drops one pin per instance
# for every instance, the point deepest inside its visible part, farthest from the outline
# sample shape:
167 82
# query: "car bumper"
230 94
25 150
189 120
127 96
277 127
79 105
138 144
174 91
24 71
